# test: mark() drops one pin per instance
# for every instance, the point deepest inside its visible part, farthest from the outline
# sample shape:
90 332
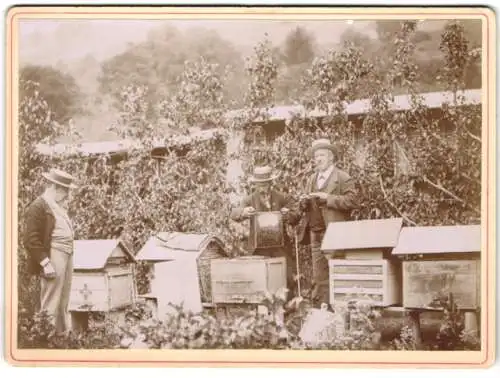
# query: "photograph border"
257 358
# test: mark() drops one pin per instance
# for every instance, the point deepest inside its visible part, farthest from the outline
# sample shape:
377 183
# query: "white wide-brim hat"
263 174
60 178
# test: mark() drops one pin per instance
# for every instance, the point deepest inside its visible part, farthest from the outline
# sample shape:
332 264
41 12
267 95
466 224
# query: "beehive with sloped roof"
103 276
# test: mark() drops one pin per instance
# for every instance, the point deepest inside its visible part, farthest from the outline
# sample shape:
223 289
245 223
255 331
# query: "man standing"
330 195
265 198
48 240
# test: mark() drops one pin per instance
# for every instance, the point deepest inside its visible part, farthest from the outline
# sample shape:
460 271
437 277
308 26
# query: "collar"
52 202
327 173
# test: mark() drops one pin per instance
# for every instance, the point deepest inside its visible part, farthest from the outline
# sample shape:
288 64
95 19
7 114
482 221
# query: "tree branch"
446 191
393 205
475 137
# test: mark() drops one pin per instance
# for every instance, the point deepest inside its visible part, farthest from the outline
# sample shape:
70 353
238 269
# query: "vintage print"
237 179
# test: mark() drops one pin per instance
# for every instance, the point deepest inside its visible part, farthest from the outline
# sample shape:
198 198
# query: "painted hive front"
103 276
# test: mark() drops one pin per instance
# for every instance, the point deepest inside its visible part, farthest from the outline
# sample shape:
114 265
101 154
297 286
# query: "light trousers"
55 293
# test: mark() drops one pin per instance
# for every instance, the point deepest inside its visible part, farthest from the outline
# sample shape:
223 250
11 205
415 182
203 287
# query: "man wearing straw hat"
265 198
330 195
48 240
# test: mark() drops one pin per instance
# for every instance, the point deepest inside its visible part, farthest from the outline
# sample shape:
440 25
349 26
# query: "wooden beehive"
439 261
377 281
363 268
247 279
103 276
181 265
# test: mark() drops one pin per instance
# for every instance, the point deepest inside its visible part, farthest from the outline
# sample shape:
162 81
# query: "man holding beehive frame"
48 239
330 195
266 200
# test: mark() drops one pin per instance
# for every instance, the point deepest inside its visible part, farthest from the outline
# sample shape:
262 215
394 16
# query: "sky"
47 41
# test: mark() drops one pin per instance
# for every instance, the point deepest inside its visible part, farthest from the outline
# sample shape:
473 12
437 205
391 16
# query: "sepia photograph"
203 179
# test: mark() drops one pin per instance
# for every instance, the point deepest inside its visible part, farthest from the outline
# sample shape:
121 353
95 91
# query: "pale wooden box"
373 280
440 260
103 276
171 256
424 281
246 279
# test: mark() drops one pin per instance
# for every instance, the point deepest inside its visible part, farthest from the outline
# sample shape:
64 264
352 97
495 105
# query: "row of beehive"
187 269
403 266
364 259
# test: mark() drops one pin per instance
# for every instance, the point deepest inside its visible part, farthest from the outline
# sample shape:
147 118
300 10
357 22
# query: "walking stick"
297 266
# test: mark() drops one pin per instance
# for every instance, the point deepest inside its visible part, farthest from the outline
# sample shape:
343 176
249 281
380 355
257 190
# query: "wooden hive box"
181 267
247 279
363 268
103 276
440 260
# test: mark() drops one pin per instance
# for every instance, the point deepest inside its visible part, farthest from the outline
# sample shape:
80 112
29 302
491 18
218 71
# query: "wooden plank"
423 281
365 284
354 290
358 269
121 291
355 277
364 254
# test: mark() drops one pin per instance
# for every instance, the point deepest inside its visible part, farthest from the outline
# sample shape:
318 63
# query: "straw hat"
263 174
60 178
322 144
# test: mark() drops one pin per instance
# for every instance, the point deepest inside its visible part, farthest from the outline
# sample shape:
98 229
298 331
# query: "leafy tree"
59 90
298 47
158 63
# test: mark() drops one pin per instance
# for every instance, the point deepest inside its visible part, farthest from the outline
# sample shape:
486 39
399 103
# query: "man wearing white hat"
334 193
48 239
265 198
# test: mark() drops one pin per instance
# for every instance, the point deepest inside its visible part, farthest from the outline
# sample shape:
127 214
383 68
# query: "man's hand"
49 271
248 212
321 195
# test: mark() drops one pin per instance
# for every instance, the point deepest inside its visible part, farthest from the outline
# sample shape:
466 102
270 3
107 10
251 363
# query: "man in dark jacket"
48 239
330 194
265 198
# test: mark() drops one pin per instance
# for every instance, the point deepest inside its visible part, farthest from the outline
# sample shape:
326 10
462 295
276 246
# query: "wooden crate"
375 280
246 279
103 276
423 281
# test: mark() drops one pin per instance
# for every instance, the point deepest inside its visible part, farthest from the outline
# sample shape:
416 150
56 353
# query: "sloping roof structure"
432 100
439 239
362 234
93 254
169 246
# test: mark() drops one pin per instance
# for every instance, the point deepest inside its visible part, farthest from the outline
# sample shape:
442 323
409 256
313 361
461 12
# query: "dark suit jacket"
277 202
39 225
342 195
